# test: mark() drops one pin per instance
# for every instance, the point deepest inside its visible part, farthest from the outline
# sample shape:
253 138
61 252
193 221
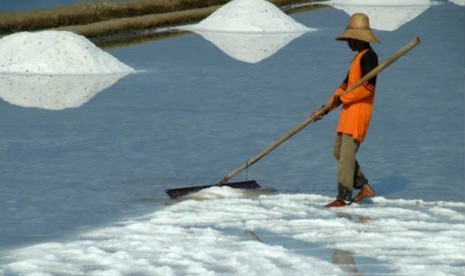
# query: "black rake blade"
180 192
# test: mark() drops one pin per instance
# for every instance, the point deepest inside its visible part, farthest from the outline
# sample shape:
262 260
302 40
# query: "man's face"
352 44
355 44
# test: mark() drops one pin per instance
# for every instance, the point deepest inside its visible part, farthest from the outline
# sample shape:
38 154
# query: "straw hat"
359 28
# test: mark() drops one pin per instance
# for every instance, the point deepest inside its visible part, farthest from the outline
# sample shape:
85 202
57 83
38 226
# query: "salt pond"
192 237
83 188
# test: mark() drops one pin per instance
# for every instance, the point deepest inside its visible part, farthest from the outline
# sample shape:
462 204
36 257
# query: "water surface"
195 113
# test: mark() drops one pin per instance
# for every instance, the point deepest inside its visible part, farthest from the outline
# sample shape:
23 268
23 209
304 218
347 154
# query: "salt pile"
54 70
383 2
384 15
55 52
248 16
458 2
249 30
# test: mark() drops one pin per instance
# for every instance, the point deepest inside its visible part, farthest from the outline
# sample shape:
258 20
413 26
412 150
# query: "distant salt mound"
383 2
384 15
56 52
54 70
255 16
249 30
458 2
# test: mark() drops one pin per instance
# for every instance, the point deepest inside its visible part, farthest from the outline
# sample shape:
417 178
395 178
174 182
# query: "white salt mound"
56 52
381 2
458 2
384 15
248 16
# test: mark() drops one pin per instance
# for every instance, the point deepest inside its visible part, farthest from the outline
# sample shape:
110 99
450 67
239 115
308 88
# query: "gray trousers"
349 173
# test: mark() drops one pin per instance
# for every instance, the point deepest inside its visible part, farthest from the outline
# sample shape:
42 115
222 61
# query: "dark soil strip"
111 24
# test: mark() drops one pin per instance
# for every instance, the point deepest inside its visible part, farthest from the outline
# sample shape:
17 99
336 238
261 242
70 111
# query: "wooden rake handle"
410 45
402 51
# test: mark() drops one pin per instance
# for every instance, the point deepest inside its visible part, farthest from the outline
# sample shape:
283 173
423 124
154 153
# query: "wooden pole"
410 45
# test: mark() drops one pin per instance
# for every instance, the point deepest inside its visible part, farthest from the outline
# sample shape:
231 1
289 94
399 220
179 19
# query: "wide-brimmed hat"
359 28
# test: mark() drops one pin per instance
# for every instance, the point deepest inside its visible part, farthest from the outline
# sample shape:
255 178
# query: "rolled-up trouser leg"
360 178
350 174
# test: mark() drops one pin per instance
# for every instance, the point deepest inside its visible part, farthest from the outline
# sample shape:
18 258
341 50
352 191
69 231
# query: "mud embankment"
112 23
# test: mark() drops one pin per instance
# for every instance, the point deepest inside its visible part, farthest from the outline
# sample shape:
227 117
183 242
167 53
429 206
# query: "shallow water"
194 113
32 5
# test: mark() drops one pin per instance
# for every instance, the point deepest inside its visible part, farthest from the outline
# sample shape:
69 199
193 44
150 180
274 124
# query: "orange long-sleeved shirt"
358 104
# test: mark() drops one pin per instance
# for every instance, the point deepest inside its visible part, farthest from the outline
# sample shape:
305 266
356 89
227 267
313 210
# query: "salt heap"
54 70
458 2
56 52
384 15
248 16
249 30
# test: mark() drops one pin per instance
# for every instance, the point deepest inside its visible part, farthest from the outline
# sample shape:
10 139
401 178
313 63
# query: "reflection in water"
384 15
249 47
346 261
344 258
358 218
53 92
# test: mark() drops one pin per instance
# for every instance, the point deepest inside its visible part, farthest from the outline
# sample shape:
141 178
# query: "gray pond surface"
192 113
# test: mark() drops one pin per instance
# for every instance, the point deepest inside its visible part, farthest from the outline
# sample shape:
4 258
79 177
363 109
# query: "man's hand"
318 114
333 101
336 101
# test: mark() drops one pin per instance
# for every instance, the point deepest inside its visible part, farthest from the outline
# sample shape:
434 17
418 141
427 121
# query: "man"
356 112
